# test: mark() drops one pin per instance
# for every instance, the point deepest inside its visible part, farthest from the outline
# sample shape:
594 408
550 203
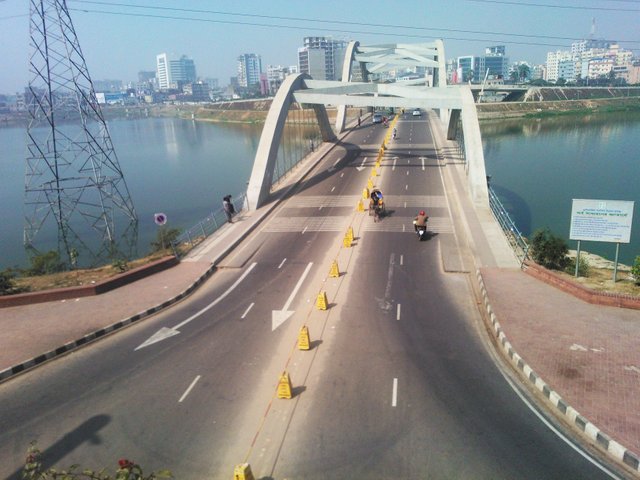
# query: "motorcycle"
421 231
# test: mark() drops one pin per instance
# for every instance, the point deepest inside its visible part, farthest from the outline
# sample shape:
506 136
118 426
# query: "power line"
548 5
291 27
336 22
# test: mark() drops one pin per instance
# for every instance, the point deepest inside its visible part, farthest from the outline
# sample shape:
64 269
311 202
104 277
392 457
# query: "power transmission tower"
73 180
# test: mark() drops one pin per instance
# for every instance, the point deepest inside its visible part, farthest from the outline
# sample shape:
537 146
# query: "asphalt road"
398 383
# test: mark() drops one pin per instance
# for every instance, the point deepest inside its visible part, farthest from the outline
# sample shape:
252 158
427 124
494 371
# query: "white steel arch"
263 167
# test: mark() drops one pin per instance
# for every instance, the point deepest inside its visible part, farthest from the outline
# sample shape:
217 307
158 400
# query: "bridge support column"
476 171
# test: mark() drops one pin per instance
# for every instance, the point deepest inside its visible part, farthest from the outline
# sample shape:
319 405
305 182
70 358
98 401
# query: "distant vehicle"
417 112
377 118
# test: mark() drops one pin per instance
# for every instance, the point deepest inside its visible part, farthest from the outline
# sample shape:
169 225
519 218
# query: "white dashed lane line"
193 384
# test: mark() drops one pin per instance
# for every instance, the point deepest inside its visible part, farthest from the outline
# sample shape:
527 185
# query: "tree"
513 76
561 82
524 72
549 250
611 76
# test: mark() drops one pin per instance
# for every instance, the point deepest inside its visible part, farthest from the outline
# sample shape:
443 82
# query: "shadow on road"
86 432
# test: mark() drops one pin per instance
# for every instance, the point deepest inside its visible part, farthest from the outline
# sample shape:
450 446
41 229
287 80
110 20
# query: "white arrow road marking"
278 317
361 167
165 332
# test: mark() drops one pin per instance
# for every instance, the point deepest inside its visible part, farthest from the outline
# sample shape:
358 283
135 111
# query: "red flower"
124 463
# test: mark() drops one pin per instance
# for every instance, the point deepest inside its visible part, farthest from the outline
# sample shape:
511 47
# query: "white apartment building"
173 71
249 69
553 63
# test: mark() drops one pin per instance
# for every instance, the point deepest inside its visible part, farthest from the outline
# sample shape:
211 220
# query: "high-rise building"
174 72
494 62
249 69
553 63
322 58
467 69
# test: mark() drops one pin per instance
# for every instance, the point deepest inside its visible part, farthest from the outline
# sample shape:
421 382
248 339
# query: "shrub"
164 238
45 263
120 264
635 270
7 286
549 250
583 267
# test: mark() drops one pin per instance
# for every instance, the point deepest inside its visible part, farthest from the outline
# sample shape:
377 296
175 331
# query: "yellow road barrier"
322 302
360 206
350 233
369 185
365 193
303 338
334 271
284 386
243 472
374 172
346 241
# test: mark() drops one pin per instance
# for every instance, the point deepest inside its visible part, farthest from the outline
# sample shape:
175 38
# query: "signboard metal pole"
615 265
577 258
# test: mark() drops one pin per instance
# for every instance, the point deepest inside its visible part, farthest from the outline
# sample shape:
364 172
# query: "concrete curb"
91 337
577 421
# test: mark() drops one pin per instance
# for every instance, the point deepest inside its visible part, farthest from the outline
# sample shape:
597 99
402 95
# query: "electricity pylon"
73 180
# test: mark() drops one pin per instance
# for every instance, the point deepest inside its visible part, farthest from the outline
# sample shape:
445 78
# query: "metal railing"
514 236
196 234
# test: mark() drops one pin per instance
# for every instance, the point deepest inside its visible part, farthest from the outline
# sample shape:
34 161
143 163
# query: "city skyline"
115 46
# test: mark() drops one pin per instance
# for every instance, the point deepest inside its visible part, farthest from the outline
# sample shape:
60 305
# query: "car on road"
417 112
377 118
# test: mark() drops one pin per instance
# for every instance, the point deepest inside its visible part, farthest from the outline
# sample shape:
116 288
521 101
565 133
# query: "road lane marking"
278 317
342 175
184 395
395 159
398 312
247 310
165 332
282 262
407 172
333 167
332 189
401 259
422 158
394 393
361 167
305 229
405 204
406 187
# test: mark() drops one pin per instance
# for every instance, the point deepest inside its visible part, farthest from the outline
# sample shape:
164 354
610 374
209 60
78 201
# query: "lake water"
178 167
537 166
183 168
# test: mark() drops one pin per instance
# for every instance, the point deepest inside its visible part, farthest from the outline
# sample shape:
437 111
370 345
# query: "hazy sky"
120 38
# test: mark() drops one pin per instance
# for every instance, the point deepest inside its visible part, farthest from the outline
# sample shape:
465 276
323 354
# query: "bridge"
398 380
455 105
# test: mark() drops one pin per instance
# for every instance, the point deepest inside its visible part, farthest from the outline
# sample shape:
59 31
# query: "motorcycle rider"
395 132
420 220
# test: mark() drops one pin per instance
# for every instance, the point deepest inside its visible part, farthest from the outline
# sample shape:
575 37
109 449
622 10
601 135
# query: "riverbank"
502 110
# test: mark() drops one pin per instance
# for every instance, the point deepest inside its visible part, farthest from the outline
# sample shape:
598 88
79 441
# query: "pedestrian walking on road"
358 121
228 207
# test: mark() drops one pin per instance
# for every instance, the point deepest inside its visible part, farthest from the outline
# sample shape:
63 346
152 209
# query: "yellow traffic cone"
334 272
322 302
242 472
360 206
284 386
303 338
